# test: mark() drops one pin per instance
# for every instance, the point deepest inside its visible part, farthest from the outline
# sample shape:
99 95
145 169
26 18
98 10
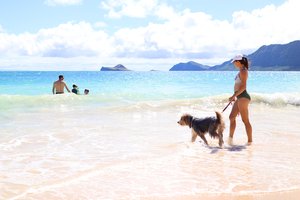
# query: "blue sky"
29 16
141 34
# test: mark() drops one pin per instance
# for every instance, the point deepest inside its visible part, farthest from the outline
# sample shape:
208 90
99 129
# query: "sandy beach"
290 195
147 155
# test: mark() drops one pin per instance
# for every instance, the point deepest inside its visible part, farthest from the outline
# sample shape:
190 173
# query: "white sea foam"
50 101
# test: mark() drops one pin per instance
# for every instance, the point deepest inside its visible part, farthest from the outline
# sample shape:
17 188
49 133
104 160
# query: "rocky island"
118 67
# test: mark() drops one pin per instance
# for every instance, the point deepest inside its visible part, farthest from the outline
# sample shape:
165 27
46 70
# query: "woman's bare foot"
230 141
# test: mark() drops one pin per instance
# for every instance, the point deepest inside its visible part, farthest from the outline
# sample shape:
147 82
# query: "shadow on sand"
234 148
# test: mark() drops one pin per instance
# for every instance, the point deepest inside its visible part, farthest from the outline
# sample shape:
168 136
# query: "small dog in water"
213 125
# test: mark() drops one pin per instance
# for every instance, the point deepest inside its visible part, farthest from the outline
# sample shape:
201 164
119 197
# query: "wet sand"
142 153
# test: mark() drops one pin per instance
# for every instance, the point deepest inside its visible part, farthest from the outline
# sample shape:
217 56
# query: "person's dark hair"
60 76
245 62
74 85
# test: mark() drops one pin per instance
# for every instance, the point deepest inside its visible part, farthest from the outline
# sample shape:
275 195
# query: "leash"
226 106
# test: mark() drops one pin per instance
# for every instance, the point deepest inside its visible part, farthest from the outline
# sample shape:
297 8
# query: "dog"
200 126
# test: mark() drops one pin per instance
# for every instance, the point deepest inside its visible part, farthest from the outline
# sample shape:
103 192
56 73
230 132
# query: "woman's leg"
232 116
243 104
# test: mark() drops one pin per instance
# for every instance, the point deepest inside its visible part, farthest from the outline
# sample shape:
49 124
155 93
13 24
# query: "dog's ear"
190 121
184 119
187 120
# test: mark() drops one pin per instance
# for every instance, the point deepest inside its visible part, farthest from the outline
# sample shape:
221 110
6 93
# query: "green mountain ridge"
274 57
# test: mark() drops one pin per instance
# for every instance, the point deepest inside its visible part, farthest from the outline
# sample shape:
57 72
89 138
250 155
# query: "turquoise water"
21 91
30 89
148 85
122 141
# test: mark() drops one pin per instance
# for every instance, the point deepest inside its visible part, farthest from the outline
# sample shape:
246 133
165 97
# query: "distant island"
189 66
118 67
275 57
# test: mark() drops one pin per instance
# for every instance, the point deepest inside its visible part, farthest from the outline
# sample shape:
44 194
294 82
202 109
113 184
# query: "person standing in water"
59 86
241 98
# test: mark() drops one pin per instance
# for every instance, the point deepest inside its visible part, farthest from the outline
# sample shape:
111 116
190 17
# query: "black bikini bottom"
244 94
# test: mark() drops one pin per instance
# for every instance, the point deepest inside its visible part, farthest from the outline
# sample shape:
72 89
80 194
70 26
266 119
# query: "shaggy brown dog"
213 125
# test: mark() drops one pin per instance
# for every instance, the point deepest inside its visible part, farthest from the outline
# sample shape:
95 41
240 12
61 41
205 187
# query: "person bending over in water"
59 86
240 97
75 89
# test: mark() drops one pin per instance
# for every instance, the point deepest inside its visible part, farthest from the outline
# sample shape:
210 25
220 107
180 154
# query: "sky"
140 34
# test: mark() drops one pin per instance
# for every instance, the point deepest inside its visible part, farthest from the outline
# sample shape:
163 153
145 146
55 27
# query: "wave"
220 101
277 99
127 102
49 101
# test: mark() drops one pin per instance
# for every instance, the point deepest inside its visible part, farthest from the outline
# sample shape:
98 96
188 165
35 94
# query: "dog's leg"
221 142
203 138
220 133
194 136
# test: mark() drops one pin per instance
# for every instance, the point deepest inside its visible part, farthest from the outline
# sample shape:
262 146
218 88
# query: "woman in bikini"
241 98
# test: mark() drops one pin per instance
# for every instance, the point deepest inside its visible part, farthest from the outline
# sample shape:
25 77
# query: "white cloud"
100 25
66 40
268 25
183 36
190 34
187 34
62 2
130 8
164 11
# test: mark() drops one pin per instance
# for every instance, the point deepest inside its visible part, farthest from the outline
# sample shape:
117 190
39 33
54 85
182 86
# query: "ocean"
122 141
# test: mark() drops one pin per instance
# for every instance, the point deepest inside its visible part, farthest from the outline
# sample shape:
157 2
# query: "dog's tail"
221 123
219 118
